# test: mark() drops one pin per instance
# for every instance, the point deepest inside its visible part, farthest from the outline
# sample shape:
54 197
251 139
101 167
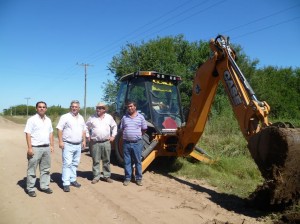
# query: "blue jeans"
133 151
42 159
70 159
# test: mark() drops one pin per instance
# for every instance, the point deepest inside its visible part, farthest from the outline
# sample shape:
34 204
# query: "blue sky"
42 40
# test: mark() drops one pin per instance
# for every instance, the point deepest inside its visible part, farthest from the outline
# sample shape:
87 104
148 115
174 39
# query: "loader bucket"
276 151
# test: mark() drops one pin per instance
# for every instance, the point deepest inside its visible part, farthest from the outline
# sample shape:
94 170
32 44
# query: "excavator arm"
275 149
251 114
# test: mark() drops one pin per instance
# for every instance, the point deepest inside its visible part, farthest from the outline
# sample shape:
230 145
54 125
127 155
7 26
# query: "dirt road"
162 199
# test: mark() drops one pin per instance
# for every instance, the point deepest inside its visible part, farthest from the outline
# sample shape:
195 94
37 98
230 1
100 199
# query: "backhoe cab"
158 100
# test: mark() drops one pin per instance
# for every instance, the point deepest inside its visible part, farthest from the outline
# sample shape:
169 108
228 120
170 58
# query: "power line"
113 46
259 19
267 27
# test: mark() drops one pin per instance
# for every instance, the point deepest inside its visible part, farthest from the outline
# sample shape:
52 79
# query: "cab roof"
151 74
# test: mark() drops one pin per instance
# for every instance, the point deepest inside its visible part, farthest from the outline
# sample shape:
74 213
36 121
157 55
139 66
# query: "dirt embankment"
162 199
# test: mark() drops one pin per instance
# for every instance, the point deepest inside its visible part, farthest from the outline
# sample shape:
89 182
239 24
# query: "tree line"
279 87
54 111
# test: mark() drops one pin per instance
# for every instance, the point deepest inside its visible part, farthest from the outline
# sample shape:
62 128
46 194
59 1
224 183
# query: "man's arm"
60 140
84 138
51 142
114 127
29 146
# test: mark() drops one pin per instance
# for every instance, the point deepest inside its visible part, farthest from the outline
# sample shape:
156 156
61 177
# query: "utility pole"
27 98
85 77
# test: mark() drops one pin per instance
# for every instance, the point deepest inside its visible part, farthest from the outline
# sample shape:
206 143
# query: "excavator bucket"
276 152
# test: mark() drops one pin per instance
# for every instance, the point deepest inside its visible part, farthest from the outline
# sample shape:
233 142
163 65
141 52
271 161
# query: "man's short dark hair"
130 102
37 104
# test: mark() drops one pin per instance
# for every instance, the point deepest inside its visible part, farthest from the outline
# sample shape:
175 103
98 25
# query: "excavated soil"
276 152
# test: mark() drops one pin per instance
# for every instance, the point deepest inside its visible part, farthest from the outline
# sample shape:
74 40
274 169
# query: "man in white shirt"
39 138
103 130
71 136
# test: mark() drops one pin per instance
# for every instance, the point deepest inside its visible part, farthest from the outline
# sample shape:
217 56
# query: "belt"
101 141
39 146
73 143
131 141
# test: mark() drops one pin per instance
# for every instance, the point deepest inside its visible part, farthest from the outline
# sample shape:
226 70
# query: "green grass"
23 120
233 175
234 172
17 119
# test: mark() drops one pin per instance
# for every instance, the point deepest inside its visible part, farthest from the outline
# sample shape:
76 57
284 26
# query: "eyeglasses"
99 108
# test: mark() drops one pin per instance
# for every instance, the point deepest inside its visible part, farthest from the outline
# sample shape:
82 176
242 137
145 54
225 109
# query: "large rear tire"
119 148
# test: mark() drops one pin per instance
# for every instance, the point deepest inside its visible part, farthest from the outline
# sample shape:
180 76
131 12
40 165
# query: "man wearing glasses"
39 138
71 136
103 129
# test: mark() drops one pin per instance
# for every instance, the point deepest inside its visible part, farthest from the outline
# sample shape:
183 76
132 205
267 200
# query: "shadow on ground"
227 201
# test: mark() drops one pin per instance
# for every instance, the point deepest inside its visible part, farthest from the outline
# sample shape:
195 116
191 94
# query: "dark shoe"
67 188
47 191
126 182
94 181
32 194
107 179
76 184
139 183
51 180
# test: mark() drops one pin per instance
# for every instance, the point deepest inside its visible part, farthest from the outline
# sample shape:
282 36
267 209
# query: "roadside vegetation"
234 171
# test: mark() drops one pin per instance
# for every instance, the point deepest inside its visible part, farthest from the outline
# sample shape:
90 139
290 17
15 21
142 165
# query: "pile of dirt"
276 151
292 218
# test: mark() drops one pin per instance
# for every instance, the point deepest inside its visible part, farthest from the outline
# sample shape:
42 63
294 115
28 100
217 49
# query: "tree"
170 55
280 87
110 92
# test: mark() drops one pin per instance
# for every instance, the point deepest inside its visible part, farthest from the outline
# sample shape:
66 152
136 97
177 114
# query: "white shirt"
102 128
72 127
39 129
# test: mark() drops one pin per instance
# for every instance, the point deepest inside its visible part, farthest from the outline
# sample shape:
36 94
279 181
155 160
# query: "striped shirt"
132 127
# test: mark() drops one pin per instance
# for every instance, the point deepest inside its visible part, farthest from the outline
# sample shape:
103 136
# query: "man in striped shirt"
134 126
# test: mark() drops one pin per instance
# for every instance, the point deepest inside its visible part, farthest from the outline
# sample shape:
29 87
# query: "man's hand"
111 139
83 145
30 152
61 145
